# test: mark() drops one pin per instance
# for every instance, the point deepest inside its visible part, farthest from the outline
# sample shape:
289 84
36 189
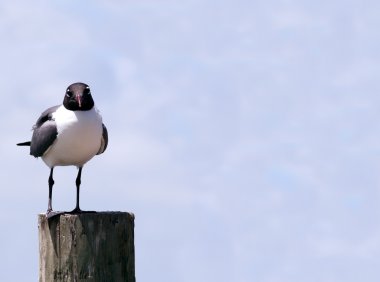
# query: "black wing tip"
24 143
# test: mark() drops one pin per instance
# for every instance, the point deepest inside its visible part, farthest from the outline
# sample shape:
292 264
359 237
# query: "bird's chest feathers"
78 126
79 137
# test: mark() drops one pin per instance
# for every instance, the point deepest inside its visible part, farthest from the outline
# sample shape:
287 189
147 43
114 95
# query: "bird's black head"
78 97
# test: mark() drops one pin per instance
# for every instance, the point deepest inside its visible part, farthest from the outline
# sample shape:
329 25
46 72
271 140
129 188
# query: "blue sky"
243 134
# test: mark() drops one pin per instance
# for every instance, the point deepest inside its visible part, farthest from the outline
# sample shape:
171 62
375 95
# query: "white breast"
78 140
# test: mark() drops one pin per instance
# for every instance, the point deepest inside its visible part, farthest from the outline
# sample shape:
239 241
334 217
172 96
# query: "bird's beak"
79 100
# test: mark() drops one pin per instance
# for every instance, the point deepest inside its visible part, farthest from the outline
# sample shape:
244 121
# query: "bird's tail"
24 144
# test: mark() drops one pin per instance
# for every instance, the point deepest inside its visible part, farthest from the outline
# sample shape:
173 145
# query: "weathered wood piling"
87 247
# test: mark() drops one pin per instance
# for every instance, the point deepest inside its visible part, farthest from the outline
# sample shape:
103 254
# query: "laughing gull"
69 134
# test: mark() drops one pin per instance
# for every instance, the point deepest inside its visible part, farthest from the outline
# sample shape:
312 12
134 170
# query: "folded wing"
104 142
44 133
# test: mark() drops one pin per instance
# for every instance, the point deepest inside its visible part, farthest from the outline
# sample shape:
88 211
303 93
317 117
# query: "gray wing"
104 143
44 133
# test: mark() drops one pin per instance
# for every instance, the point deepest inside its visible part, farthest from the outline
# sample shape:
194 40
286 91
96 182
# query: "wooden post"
87 247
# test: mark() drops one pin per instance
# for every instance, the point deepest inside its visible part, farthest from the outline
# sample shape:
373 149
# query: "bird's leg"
51 183
77 182
50 213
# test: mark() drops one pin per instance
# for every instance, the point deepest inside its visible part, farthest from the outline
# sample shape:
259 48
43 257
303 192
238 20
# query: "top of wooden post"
87 246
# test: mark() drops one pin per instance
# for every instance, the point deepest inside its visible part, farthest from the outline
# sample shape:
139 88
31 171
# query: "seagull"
69 134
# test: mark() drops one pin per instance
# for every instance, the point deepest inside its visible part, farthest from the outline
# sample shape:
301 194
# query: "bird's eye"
69 93
87 91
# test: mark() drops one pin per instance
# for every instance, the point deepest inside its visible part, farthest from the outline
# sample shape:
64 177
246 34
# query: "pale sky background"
244 135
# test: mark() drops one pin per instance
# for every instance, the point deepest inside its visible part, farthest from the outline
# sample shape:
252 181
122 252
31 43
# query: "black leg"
51 183
77 182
